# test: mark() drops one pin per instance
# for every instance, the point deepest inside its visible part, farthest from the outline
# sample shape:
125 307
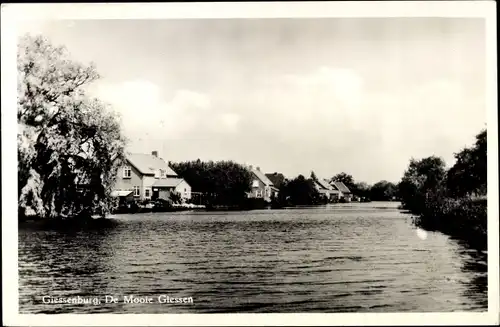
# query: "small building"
164 187
326 189
149 177
323 188
344 192
124 197
262 187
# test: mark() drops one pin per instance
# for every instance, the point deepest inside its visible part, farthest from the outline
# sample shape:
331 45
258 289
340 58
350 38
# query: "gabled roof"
148 164
167 182
317 184
324 184
341 187
263 178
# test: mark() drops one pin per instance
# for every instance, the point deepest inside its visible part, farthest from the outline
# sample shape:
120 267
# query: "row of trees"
450 200
226 183
222 183
69 144
299 191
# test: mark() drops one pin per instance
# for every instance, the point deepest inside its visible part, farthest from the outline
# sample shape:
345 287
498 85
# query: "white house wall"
184 190
128 184
147 183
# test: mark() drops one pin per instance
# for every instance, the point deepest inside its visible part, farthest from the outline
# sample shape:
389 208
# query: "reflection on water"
338 258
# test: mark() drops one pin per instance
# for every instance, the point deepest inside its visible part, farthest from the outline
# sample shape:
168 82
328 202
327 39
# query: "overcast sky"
360 95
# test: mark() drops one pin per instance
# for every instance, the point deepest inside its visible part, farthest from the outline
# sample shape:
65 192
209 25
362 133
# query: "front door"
156 194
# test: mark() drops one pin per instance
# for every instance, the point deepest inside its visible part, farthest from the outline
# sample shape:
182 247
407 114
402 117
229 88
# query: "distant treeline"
452 201
226 184
301 190
380 191
298 191
222 183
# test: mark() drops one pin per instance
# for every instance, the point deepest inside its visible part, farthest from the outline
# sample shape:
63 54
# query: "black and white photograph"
245 158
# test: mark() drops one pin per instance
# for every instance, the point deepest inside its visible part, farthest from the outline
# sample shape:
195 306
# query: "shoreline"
463 233
461 219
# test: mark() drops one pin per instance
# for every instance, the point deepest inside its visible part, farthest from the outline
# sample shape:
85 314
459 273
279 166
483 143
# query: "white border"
13 14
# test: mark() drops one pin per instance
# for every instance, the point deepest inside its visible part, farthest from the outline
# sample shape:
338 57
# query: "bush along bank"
452 201
464 219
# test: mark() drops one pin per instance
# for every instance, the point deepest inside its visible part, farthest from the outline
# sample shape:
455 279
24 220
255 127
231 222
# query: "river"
360 257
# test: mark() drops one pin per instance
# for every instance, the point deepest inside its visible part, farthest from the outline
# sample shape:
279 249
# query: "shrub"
463 218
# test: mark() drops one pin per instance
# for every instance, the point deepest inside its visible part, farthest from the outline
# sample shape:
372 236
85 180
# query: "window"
137 191
127 172
147 193
255 183
258 193
162 173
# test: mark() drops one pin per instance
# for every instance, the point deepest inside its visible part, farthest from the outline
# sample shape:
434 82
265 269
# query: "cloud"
230 121
191 101
341 84
30 26
323 120
337 123
426 112
294 106
146 112
317 104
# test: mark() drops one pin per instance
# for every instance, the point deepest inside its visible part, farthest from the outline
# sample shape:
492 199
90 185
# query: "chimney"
154 153
258 168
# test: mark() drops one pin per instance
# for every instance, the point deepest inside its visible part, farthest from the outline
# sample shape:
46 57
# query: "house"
164 187
335 193
149 177
261 187
323 188
344 192
326 189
